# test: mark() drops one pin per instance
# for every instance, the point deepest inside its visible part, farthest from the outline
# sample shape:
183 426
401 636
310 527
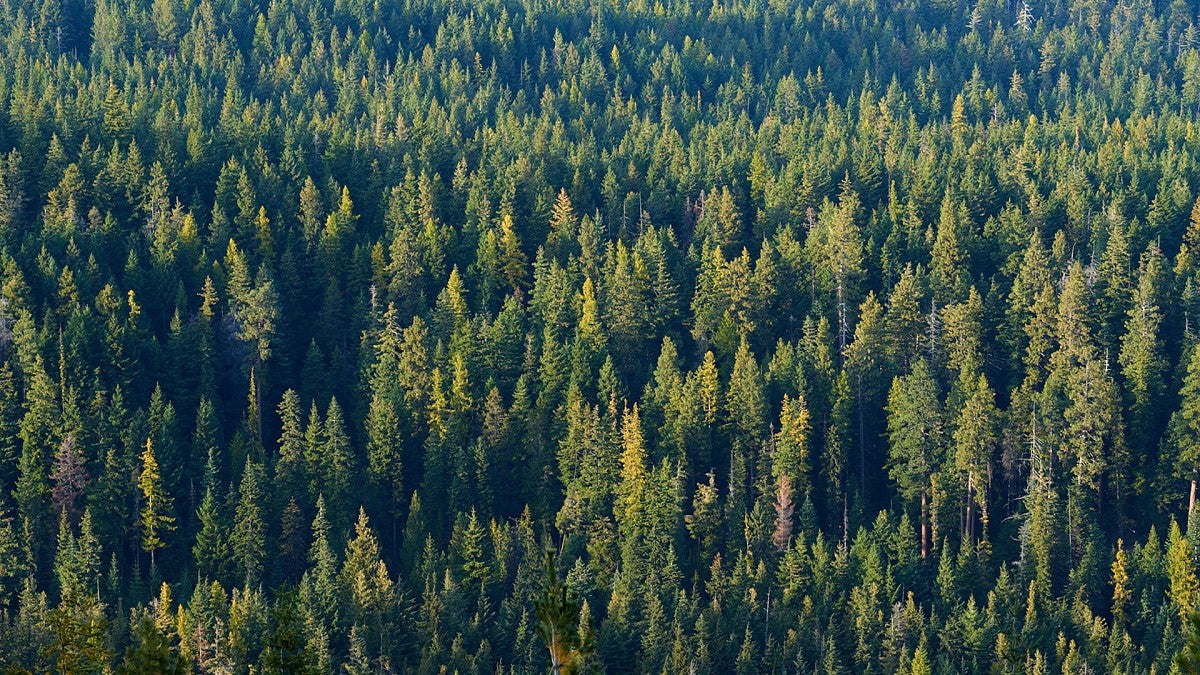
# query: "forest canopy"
726 336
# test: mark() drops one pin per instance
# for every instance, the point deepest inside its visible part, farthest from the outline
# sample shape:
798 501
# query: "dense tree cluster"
829 336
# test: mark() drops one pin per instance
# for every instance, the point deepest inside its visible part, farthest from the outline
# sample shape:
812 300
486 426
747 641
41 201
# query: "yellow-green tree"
155 517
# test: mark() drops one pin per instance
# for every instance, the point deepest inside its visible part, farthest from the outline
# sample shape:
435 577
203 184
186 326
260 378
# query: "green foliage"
841 336
151 651
1188 658
155 517
559 624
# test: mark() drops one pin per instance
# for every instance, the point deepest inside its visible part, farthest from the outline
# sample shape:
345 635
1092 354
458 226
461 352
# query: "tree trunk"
924 524
843 329
971 509
1191 504
845 518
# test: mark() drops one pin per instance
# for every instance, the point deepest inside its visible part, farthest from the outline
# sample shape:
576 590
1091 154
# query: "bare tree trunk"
924 524
1191 504
845 518
843 329
971 509
555 662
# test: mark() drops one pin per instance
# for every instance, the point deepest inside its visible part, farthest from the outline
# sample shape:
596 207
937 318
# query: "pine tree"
249 527
314 448
1078 385
866 365
384 437
1141 359
745 407
78 622
10 451
321 579
836 254
558 624
588 466
286 650
211 547
12 566
792 443
976 436
1120 583
512 259
152 651
704 523
626 303
290 471
634 474
155 517
205 446
906 322
366 576
563 225
920 663
914 441
949 269
38 432
336 469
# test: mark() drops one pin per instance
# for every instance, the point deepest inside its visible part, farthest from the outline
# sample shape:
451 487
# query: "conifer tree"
290 469
975 438
792 443
836 252
155 518
558 624
1141 358
1185 428
78 622
336 458
152 652
784 510
211 547
915 442
38 431
384 436
70 478
321 582
249 527
366 576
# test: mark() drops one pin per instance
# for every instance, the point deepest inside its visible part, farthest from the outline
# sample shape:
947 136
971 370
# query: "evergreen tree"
976 436
211 547
1141 359
1185 428
915 443
836 251
151 652
155 517
247 538
290 470
558 624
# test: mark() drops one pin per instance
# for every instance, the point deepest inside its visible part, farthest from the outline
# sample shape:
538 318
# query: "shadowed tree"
558 623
